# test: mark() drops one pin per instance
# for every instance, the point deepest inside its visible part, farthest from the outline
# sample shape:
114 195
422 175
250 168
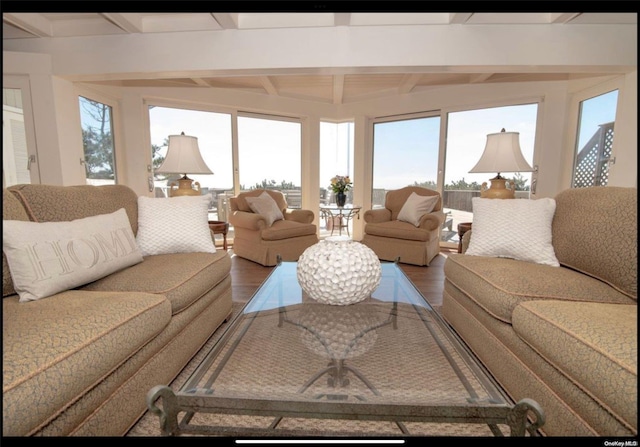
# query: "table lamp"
183 157
501 154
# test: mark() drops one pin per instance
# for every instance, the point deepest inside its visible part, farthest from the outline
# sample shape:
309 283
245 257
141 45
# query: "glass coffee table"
389 360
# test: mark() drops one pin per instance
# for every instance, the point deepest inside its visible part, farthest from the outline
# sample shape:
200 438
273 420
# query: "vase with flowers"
340 184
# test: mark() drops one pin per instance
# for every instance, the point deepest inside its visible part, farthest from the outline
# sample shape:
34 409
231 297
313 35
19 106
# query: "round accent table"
462 229
220 227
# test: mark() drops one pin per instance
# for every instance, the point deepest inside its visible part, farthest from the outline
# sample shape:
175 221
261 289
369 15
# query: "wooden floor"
246 277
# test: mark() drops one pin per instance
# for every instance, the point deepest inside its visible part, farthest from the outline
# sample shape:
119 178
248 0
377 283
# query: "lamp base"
185 188
499 189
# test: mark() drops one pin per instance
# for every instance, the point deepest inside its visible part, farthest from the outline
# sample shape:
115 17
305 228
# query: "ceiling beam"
342 19
268 85
129 22
32 23
408 82
564 17
226 20
201 82
459 17
475 79
338 89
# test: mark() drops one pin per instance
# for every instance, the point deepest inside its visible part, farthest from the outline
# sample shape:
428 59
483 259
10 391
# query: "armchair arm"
377 215
250 221
299 215
432 221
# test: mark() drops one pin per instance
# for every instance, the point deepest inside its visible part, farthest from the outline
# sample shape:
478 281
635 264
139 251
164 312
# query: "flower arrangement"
341 184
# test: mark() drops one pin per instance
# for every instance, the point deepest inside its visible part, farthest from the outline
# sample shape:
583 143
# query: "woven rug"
246 426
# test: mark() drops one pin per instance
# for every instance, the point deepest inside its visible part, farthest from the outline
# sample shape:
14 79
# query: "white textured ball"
339 270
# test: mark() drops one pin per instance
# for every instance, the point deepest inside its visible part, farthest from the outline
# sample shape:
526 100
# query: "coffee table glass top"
390 357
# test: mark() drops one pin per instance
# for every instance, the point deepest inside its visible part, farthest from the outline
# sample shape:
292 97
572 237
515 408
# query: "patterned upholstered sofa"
80 362
564 336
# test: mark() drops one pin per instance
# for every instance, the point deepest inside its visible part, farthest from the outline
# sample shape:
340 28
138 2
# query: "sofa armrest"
299 215
432 221
250 221
377 215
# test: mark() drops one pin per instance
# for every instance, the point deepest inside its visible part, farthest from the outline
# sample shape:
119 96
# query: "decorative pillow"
266 207
415 207
513 228
49 257
174 225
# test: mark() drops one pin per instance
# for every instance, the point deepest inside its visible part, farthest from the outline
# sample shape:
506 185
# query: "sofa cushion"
76 202
182 277
286 229
397 229
73 340
174 225
415 207
498 285
595 231
595 345
12 209
49 257
266 207
518 229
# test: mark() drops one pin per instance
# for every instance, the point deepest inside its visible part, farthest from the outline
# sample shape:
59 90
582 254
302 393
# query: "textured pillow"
266 207
513 228
174 225
49 257
415 207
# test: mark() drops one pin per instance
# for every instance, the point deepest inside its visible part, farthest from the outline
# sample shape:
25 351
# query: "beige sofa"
81 362
256 240
564 336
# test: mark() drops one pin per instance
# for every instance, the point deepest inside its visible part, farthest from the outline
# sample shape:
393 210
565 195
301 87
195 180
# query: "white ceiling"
328 88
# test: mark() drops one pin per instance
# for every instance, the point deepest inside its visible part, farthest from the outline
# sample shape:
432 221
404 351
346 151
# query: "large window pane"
595 140
97 140
213 131
15 157
269 154
405 152
466 138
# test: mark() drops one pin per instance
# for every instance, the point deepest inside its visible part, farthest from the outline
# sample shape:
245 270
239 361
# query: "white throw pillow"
513 228
174 225
415 207
266 206
49 257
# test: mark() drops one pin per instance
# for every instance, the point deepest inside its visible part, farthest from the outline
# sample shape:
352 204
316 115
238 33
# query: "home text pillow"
49 257
513 228
415 207
174 225
266 207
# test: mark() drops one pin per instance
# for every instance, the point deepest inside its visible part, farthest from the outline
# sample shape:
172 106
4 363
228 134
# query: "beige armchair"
256 240
391 238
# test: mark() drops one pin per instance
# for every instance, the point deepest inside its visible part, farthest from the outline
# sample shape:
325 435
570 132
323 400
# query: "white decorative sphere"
339 270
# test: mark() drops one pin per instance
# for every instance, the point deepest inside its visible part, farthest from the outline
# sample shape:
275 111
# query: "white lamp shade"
183 157
502 153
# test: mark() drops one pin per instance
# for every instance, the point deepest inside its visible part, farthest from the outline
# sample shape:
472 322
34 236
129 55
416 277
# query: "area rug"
248 426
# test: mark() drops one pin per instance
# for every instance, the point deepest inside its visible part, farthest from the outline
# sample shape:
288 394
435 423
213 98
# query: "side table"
220 227
462 229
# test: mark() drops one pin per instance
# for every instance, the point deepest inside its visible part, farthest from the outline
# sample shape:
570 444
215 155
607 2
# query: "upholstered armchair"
264 227
408 227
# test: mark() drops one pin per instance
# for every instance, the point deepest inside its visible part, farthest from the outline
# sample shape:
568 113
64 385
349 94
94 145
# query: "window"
97 141
405 153
213 131
269 154
594 140
466 138
336 157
